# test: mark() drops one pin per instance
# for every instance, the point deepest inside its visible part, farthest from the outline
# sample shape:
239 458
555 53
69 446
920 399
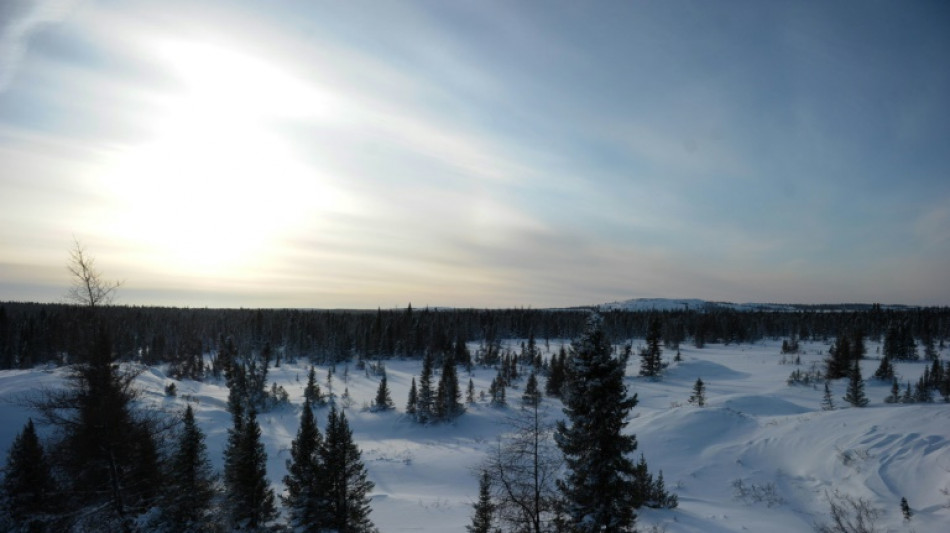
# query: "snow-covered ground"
756 432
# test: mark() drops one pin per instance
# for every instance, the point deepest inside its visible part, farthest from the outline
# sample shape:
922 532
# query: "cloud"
23 18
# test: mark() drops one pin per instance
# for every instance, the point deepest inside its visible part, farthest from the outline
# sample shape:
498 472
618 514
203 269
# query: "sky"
365 154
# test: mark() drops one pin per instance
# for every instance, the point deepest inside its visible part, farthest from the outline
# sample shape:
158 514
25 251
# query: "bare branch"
88 287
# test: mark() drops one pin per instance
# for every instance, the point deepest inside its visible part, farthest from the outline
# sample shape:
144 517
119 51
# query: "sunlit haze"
369 154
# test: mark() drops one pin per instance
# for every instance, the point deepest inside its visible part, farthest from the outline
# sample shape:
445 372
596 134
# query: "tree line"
35 333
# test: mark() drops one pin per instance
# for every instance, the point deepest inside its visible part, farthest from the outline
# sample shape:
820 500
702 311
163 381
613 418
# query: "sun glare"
216 188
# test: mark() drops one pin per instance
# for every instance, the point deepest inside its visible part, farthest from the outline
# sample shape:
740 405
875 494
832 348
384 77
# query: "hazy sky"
477 153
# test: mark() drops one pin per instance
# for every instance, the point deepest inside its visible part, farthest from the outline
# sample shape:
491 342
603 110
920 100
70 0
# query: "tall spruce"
347 483
190 481
425 404
483 516
532 395
855 393
28 485
448 398
305 499
107 450
599 488
384 400
250 498
838 363
827 403
651 356
412 403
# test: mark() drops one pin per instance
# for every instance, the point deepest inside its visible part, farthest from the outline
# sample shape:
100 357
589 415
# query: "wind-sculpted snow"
760 456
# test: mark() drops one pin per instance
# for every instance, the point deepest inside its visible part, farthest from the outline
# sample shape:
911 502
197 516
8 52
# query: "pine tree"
855 393
484 509
346 480
827 404
599 487
28 487
250 498
190 484
384 401
651 355
699 393
305 476
531 396
412 404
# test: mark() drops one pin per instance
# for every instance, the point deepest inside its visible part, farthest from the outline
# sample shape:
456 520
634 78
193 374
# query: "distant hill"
695 304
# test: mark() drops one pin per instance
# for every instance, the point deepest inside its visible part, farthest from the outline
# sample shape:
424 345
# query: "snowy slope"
755 431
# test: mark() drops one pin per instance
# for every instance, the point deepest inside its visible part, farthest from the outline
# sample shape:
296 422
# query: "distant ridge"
695 304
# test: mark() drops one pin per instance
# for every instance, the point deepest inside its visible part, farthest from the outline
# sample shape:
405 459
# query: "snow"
755 432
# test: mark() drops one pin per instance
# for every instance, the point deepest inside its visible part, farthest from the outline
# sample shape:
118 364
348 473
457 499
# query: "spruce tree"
250 498
412 404
885 371
905 509
425 404
470 393
347 484
190 485
448 403
699 393
532 395
839 359
599 488
305 476
895 395
827 404
855 393
384 401
484 509
312 391
556 374
651 355
28 485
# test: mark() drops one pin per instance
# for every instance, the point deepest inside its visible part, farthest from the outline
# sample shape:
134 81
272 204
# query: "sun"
217 187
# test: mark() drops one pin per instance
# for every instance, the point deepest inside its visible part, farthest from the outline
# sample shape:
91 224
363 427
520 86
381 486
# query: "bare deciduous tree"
88 286
850 515
523 470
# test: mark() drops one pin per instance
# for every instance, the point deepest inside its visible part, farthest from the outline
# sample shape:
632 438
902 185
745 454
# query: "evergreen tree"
412 404
190 485
497 392
250 498
827 404
699 393
556 374
107 450
905 509
839 359
448 397
470 393
384 401
885 371
346 480
599 487
305 476
28 487
484 510
895 394
312 391
531 396
855 393
651 355
425 404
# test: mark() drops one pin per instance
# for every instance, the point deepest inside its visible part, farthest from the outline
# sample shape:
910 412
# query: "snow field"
759 457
